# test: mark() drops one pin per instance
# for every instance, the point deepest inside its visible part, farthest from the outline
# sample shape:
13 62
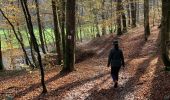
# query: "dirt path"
142 78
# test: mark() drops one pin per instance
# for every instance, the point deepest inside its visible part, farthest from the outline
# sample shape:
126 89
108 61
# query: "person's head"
116 44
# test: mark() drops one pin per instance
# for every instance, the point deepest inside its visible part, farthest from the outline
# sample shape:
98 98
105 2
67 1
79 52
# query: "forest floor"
142 78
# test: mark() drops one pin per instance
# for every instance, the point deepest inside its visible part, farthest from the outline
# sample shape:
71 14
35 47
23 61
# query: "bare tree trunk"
63 27
56 31
119 27
146 19
103 18
33 39
165 25
97 26
31 49
40 27
123 19
25 55
133 13
128 13
80 30
1 61
70 36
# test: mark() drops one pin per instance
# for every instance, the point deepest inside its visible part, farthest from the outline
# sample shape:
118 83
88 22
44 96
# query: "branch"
13 28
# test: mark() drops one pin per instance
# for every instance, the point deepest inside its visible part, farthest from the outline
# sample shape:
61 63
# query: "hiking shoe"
116 85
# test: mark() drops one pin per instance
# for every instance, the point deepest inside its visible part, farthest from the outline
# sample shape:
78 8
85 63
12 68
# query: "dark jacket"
116 58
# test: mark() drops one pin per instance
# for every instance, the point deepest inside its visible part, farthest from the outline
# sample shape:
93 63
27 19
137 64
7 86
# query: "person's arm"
109 58
122 58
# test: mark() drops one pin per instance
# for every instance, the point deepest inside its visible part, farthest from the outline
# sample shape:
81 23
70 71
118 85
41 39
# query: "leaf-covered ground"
142 78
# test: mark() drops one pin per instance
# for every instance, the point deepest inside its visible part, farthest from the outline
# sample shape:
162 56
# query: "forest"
71 49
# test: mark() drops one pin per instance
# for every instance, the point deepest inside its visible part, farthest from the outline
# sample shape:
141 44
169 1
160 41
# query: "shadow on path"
69 86
129 87
160 89
37 85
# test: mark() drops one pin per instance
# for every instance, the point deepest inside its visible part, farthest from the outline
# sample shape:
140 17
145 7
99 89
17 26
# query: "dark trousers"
115 73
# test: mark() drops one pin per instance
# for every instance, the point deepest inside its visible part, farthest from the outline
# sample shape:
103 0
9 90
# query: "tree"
146 19
17 37
119 25
70 36
165 26
123 19
133 13
56 31
33 39
103 18
1 61
63 26
40 26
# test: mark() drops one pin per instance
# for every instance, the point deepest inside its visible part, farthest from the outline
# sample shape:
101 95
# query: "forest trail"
142 78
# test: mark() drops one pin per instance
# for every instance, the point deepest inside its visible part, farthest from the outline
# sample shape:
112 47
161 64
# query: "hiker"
116 60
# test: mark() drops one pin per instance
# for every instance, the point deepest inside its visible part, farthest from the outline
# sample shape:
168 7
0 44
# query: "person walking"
116 60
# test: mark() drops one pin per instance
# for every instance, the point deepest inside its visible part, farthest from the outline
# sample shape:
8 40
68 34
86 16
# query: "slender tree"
40 26
128 13
103 18
63 26
123 18
56 31
119 27
1 61
17 37
133 13
146 19
33 39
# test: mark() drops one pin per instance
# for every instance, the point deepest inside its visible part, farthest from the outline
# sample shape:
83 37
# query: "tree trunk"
138 11
123 19
63 27
103 18
128 13
80 29
70 36
27 60
111 24
97 26
56 32
146 19
31 48
165 26
1 61
40 27
119 29
33 39
133 13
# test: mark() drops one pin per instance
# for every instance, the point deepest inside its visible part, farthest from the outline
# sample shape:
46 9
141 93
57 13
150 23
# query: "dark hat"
115 42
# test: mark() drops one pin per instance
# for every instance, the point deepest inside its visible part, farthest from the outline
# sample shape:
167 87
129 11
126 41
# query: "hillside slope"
143 76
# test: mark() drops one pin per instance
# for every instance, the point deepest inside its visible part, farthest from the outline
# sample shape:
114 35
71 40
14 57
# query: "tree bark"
123 19
128 13
103 18
70 36
40 27
1 61
63 27
33 39
165 31
146 19
56 32
118 9
133 13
